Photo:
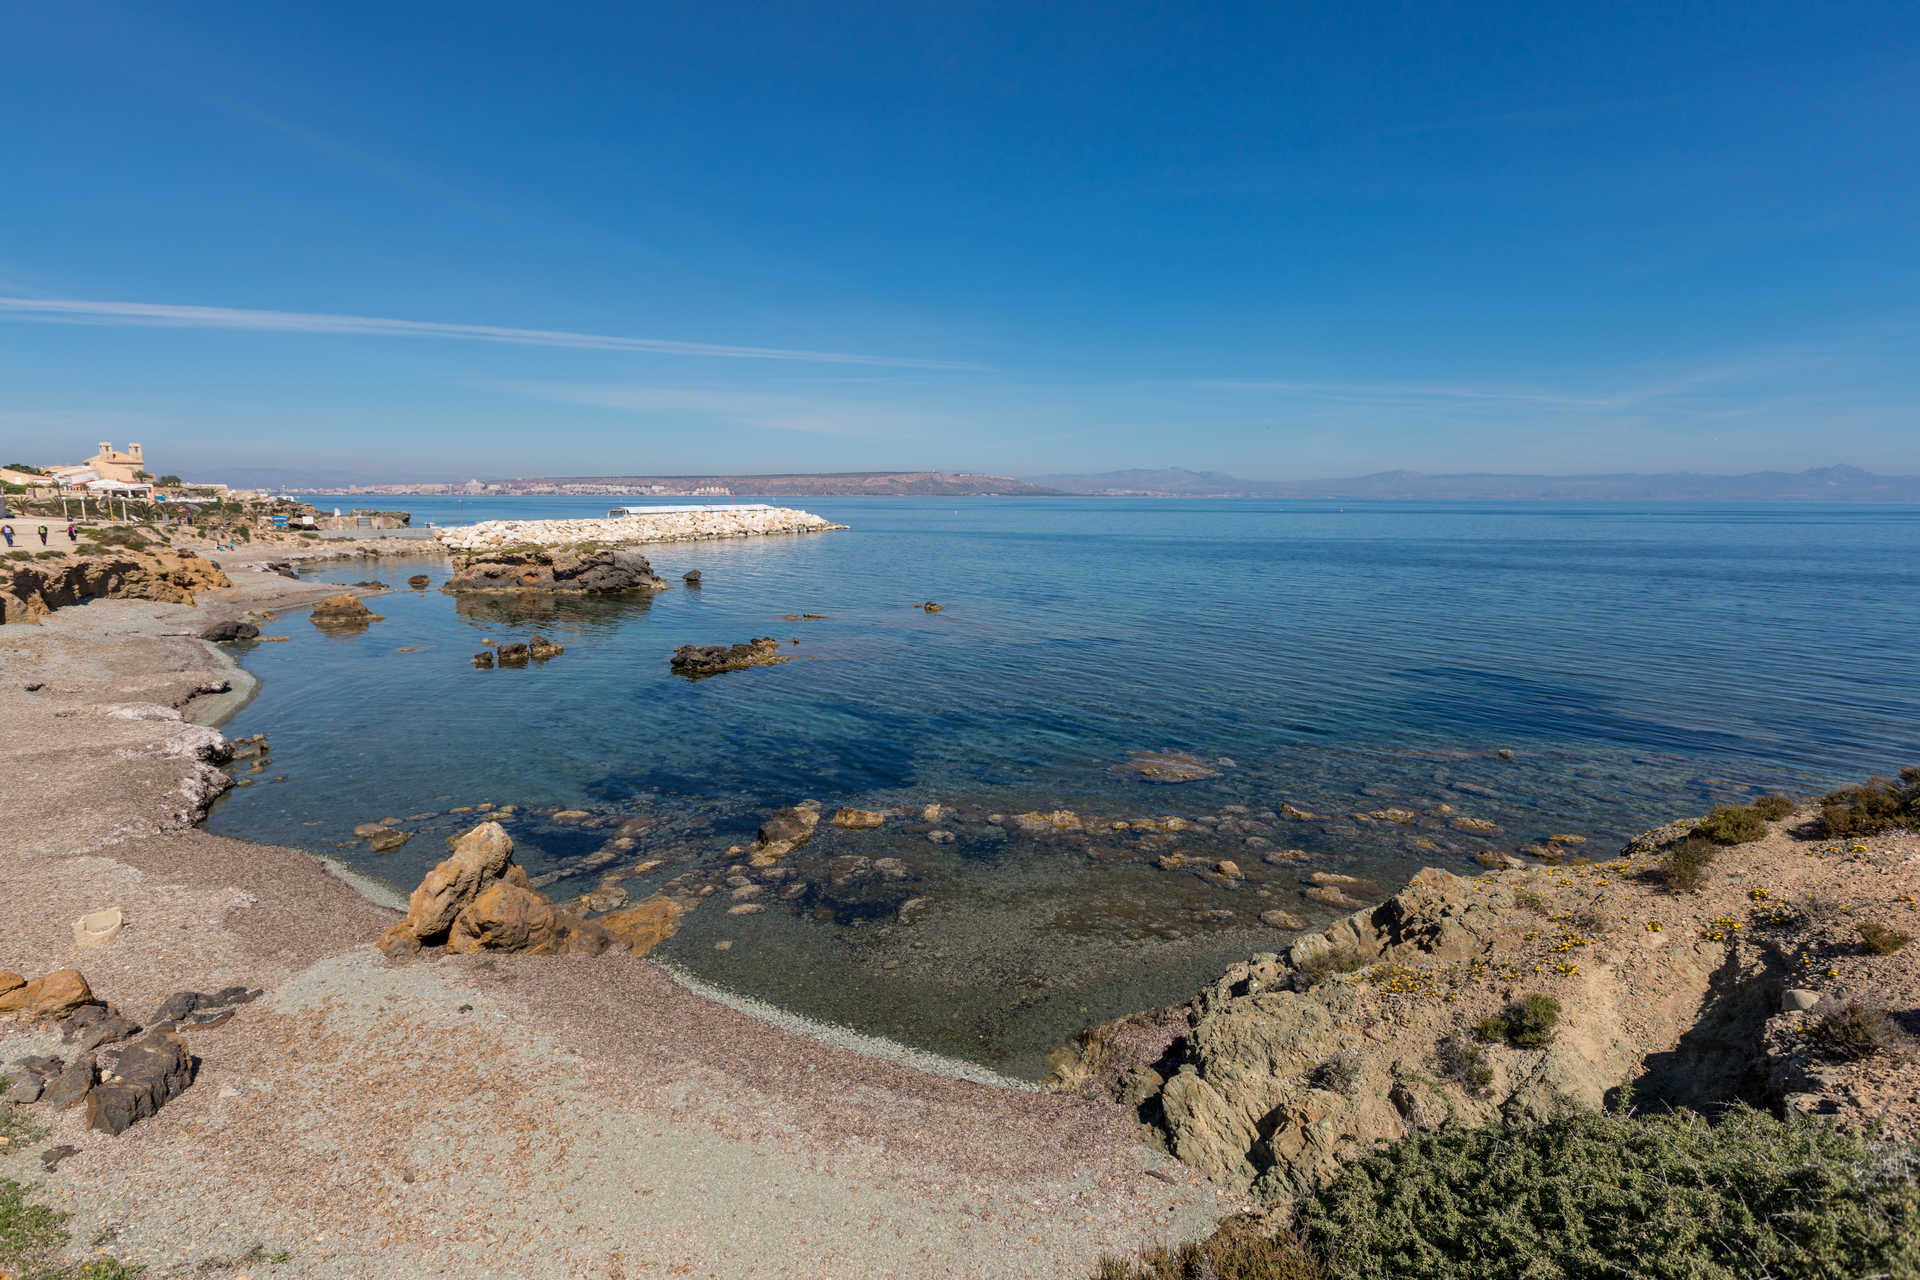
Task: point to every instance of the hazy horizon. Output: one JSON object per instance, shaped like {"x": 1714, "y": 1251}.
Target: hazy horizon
{"x": 1280, "y": 244}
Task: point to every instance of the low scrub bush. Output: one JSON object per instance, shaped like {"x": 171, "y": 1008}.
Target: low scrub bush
{"x": 1880, "y": 939}
{"x": 116, "y": 536}
{"x": 1341, "y": 1073}
{"x": 1527, "y": 1023}
{"x": 1235, "y": 1252}
{"x": 1732, "y": 824}
{"x": 1851, "y": 1030}
{"x": 1466, "y": 1063}
{"x": 1880, "y": 805}
{"x": 1585, "y": 1196}
{"x": 1773, "y": 808}
{"x": 1685, "y": 867}
{"x": 1322, "y": 965}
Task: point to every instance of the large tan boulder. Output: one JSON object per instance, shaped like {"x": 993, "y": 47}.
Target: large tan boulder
{"x": 642, "y": 928}
{"x": 57, "y": 994}
{"x": 505, "y": 917}
{"x": 480, "y": 857}
{"x": 479, "y": 899}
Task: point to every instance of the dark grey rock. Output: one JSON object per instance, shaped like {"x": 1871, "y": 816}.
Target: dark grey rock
{"x": 147, "y": 1075}
{"x": 50, "y": 1158}
{"x": 230, "y": 632}
{"x": 26, "y": 1090}
{"x": 70, "y": 1085}
{"x": 39, "y": 1065}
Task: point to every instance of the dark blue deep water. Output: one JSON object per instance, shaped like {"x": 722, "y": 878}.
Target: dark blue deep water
{"x": 1639, "y": 662}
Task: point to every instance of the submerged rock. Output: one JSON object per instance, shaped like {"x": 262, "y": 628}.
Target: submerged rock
{"x": 642, "y": 928}
{"x": 419, "y": 582}
{"x": 1165, "y": 766}
{"x": 781, "y": 834}
{"x": 696, "y": 661}
{"x": 858, "y": 819}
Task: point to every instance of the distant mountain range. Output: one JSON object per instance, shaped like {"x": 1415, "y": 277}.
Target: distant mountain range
{"x": 1823, "y": 484}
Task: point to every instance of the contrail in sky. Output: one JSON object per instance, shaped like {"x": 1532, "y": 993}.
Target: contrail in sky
{"x": 82, "y": 311}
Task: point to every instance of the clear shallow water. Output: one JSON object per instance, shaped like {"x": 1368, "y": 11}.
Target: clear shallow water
{"x": 1640, "y": 663}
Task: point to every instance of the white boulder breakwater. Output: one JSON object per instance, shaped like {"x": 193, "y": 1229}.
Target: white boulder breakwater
{"x": 679, "y": 525}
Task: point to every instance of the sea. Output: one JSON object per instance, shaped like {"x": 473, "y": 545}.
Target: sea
{"x": 1347, "y": 689}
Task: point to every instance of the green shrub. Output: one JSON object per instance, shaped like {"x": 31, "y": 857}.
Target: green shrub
{"x": 1732, "y": 824}
{"x": 1873, "y": 807}
{"x": 1234, "y": 1252}
{"x": 115, "y": 536}
{"x": 1880, "y": 939}
{"x": 1466, "y": 1063}
{"x": 1527, "y": 1023}
{"x": 1590, "y": 1196}
{"x": 1774, "y": 808}
{"x": 1685, "y": 867}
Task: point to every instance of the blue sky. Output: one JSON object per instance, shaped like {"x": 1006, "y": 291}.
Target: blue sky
{"x": 1277, "y": 240}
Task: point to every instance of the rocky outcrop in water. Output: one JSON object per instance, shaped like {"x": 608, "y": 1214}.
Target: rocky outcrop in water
{"x": 342, "y": 612}
{"x": 578, "y": 571}
{"x": 695, "y": 661}
{"x": 31, "y": 590}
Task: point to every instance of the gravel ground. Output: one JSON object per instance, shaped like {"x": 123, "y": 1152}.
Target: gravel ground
{"x": 480, "y": 1116}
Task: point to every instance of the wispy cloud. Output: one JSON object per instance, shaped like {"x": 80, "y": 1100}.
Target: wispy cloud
{"x": 169, "y": 315}
{"x": 770, "y": 410}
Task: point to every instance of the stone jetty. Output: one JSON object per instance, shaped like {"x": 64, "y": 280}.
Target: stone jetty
{"x": 679, "y": 525}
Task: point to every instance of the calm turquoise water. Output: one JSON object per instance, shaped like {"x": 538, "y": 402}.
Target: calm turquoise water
{"x": 1640, "y": 663}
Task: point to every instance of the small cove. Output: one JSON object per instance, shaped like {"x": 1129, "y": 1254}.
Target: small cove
{"x": 1638, "y": 662}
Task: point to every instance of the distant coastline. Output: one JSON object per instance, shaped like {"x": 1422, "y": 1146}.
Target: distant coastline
{"x": 1821, "y": 484}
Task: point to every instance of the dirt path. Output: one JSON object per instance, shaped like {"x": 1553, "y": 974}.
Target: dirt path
{"x": 482, "y": 1116}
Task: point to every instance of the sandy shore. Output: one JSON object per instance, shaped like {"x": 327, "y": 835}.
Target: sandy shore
{"x": 479, "y": 1116}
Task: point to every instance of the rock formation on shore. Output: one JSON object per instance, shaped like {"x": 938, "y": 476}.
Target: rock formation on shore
{"x": 30, "y": 590}
{"x": 479, "y": 899}
{"x": 695, "y": 661}
{"x": 1294, "y": 1063}
{"x": 581, "y": 571}
{"x": 121, "y": 1079}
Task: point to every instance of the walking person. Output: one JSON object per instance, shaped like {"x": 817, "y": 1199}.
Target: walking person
{"x": 43, "y": 535}
{"x": 6, "y": 531}
{"x": 73, "y": 534}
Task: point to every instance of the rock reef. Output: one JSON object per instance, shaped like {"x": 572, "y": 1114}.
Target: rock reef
{"x": 695, "y": 661}
{"x": 584, "y": 571}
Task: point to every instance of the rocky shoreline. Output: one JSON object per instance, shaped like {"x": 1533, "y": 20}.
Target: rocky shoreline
{"x": 1298, "y": 1061}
